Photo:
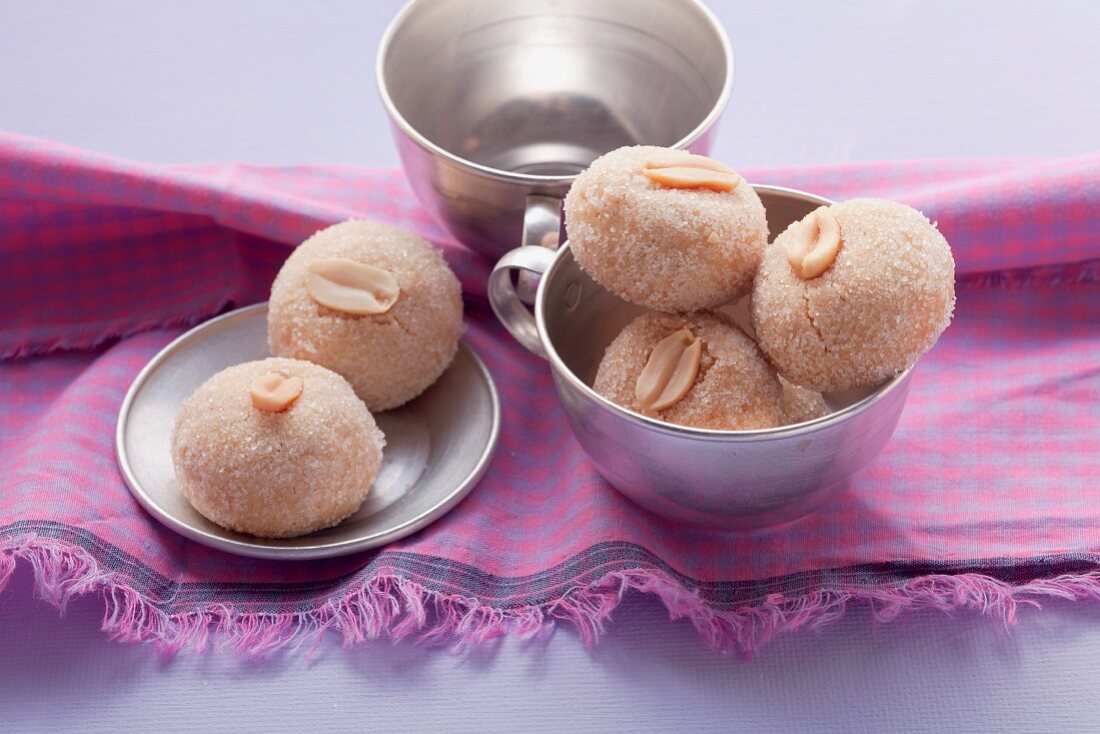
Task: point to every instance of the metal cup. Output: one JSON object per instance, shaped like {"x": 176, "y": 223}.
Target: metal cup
{"x": 726, "y": 479}
{"x": 497, "y": 104}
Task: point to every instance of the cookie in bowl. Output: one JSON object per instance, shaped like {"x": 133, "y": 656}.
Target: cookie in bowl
{"x": 800, "y": 404}
{"x": 853, "y": 294}
{"x": 693, "y": 370}
{"x": 666, "y": 229}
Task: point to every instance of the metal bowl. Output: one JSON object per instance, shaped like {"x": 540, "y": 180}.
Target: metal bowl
{"x": 437, "y": 447}
{"x": 726, "y": 479}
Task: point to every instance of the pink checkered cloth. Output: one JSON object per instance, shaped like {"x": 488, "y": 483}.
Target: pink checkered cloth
{"x": 987, "y": 497}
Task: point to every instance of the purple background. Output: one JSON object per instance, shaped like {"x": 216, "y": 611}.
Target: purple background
{"x": 279, "y": 83}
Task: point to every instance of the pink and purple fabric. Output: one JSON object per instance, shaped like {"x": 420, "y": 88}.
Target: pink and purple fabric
{"x": 987, "y": 497}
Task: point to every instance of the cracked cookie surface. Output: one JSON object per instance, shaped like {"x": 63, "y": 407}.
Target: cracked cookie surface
{"x": 884, "y": 301}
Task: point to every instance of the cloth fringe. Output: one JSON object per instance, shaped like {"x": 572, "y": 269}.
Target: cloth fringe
{"x": 389, "y": 605}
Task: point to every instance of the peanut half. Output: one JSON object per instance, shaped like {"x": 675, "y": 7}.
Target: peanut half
{"x": 670, "y": 372}
{"x": 814, "y": 243}
{"x": 683, "y": 170}
{"x": 274, "y": 393}
{"x": 350, "y": 286}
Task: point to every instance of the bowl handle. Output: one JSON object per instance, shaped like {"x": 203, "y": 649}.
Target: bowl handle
{"x": 510, "y": 300}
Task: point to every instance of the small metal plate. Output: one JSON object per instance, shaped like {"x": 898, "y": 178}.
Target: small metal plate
{"x": 437, "y": 446}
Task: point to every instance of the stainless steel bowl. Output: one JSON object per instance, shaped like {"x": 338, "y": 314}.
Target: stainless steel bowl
{"x": 728, "y": 479}
{"x": 497, "y": 105}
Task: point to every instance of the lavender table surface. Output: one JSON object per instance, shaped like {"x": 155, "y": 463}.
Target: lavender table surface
{"x": 281, "y": 83}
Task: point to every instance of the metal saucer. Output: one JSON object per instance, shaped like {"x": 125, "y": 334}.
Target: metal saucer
{"x": 437, "y": 446}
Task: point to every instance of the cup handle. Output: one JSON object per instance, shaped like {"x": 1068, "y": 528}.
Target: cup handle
{"x": 510, "y": 301}
{"x": 541, "y": 228}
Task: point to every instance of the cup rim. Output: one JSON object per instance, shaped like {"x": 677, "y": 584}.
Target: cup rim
{"x": 706, "y": 434}
{"x": 528, "y": 178}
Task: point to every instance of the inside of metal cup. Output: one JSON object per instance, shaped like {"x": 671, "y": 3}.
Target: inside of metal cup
{"x": 543, "y": 88}
{"x": 580, "y": 318}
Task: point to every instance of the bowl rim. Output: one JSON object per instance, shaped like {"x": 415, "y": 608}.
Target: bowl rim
{"x": 707, "y": 434}
{"x": 706, "y": 124}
